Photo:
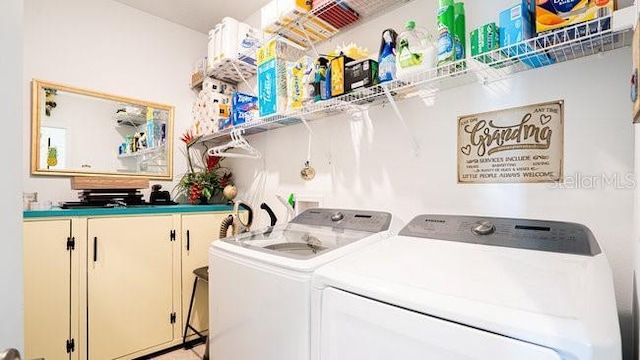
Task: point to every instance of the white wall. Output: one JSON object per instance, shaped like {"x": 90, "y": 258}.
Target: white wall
{"x": 11, "y": 303}
{"x": 373, "y": 166}
{"x": 109, "y": 47}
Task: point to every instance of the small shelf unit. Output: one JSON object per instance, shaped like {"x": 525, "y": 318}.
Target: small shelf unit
{"x": 142, "y": 152}
{"x": 567, "y": 44}
{"x": 236, "y": 71}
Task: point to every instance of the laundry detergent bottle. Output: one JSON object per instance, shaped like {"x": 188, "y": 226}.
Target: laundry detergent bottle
{"x": 387, "y": 56}
{"x": 415, "y": 51}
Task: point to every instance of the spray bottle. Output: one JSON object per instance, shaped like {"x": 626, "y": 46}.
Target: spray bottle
{"x": 387, "y": 56}
{"x": 446, "y": 52}
{"x": 459, "y": 32}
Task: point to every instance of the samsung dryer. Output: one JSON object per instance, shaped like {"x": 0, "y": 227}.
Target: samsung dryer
{"x": 459, "y": 287}
{"x": 260, "y": 282}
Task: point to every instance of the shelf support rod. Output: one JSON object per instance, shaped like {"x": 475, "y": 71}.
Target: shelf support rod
{"x": 313, "y": 47}
{"x": 394, "y": 106}
{"x": 327, "y": 154}
{"x": 253, "y": 91}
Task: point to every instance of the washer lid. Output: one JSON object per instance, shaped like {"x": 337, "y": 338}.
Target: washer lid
{"x": 314, "y": 232}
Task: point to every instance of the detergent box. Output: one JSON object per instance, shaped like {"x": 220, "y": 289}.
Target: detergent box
{"x": 515, "y": 28}
{"x": 556, "y": 14}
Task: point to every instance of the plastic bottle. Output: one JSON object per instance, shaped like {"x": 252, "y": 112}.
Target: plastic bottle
{"x": 415, "y": 51}
{"x": 387, "y": 56}
{"x": 150, "y": 130}
{"x": 459, "y": 31}
{"x": 446, "y": 17}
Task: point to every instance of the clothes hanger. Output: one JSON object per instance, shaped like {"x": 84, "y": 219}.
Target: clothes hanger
{"x": 238, "y": 142}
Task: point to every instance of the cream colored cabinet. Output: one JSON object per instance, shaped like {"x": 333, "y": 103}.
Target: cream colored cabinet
{"x": 198, "y": 231}
{"x": 130, "y": 290}
{"x": 113, "y": 287}
{"x": 50, "y": 289}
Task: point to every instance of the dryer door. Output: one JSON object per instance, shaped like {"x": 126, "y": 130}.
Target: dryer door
{"x": 355, "y": 327}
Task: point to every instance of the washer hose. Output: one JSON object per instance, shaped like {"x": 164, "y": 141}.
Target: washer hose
{"x": 226, "y": 223}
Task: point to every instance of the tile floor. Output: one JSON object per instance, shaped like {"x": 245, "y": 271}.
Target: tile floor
{"x": 194, "y": 353}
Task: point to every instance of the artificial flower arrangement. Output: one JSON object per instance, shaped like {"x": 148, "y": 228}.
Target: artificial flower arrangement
{"x": 205, "y": 179}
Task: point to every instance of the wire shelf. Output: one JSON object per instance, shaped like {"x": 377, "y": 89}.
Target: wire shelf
{"x": 578, "y": 41}
{"x": 362, "y": 11}
{"x": 567, "y": 44}
{"x": 232, "y": 71}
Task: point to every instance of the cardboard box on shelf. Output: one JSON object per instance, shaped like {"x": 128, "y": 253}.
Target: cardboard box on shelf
{"x": 483, "y": 40}
{"x": 337, "y": 67}
{"x": 244, "y": 108}
{"x": 553, "y": 15}
{"x": 272, "y": 61}
{"x": 299, "y": 78}
{"x": 515, "y": 28}
{"x": 359, "y": 74}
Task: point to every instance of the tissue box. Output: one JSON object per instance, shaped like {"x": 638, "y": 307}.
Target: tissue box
{"x": 485, "y": 39}
{"x": 272, "y": 87}
{"x": 243, "y": 108}
{"x": 272, "y": 61}
{"x": 516, "y": 27}
{"x": 359, "y": 74}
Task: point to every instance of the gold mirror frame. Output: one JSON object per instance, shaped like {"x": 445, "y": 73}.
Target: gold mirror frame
{"x": 37, "y": 94}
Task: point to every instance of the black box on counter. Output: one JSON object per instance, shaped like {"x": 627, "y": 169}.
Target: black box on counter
{"x": 360, "y": 74}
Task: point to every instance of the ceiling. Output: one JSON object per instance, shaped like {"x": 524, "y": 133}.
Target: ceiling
{"x": 202, "y": 15}
{"x": 199, "y": 15}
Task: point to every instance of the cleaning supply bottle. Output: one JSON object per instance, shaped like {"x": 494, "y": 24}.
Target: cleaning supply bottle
{"x": 150, "y": 129}
{"x": 446, "y": 17}
{"x": 387, "y": 56}
{"x": 415, "y": 51}
{"x": 460, "y": 30}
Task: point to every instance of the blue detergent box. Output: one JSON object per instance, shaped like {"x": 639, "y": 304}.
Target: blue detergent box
{"x": 244, "y": 108}
{"x": 515, "y": 27}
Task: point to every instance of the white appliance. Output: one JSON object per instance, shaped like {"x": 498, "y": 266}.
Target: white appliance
{"x": 458, "y": 287}
{"x": 260, "y": 282}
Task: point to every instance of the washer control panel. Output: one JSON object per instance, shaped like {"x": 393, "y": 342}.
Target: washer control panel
{"x": 552, "y": 236}
{"x": 359, "y": 220}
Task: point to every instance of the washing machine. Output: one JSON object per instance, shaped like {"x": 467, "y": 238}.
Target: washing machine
{"x": 260, "y": 281}
{"x": 460, "y": 287}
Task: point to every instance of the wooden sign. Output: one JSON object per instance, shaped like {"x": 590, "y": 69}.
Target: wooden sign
{"x": 518, "y": 145}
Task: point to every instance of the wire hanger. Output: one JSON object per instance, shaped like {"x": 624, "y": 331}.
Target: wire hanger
{"x": 238, "y": 142}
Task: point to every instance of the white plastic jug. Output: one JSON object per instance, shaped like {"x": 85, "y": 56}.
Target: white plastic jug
{"x": 415, "y": 51}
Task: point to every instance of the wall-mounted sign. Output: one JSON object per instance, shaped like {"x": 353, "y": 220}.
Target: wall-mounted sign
{"x": 518, "y": 145}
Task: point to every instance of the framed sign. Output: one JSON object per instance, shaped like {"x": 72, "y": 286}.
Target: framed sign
{"x": 517, "y": 145}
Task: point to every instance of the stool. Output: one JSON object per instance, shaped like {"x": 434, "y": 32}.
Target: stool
{"x": 201, "y": 274}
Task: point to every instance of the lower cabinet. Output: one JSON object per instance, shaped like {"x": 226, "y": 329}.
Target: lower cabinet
{"x": 129, "y": 285}
{"x": 113, "y": 287}
{"x": 50, "y": 290}
{"x": 198, "y": 231}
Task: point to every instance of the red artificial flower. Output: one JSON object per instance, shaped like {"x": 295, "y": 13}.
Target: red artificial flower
{"x": 188, "y": 137}
{"x": 212, "y": 161}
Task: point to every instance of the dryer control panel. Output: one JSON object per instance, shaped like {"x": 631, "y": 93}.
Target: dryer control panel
{"x": 359, "y": 220}
{"x": 542, "y": 235}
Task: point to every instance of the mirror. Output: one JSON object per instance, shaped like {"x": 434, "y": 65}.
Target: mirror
{"x": 76, "y": 132}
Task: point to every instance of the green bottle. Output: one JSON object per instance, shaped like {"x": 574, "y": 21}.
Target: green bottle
{"x": 446, "y": 46}
{"x": 459, "y": 31}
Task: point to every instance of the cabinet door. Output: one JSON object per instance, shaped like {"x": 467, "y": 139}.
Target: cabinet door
{"x": 198, "y": 231}
{"x": 47, "y": 289}
{"x": 129, "y": 285}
